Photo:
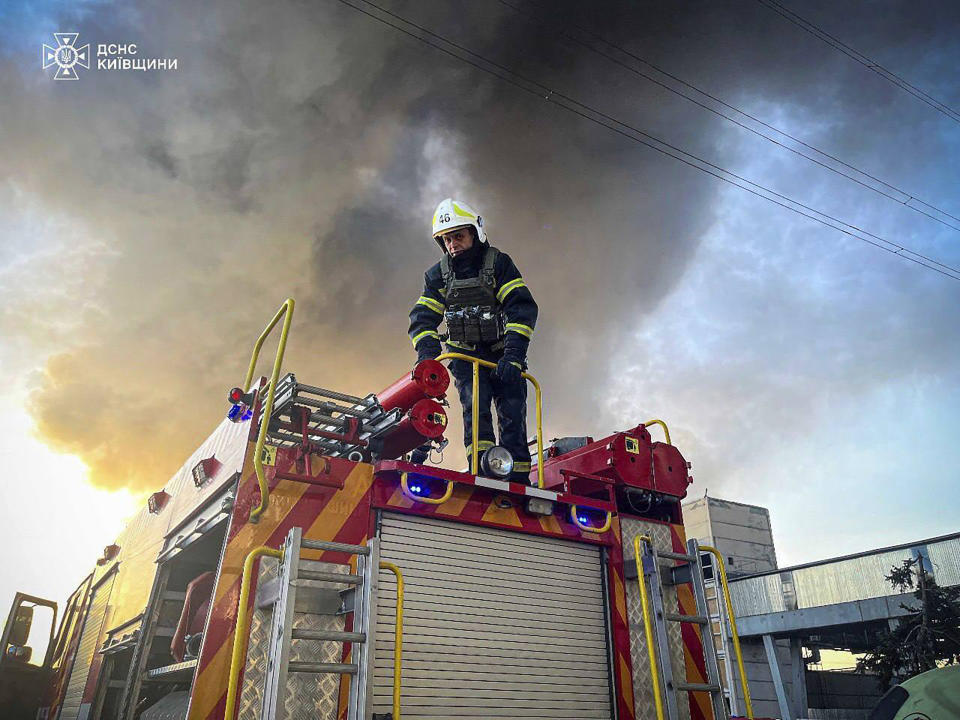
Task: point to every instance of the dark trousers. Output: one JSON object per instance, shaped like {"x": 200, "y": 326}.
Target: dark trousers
{"x": 510, "y": 401}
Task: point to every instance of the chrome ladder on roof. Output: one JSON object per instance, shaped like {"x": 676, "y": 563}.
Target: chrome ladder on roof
{"x": 692, "y": 572}
{"x": 360, "y": 598}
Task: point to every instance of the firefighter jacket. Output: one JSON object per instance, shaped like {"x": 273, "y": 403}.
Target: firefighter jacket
{"x": 514, "y": 300}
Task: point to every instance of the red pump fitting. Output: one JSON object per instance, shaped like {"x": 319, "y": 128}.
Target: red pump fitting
{"x": 426, "y": 420}
{"x": 429, "y": 379}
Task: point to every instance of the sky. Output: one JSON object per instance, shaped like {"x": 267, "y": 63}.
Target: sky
{"x": 151, "y": 222}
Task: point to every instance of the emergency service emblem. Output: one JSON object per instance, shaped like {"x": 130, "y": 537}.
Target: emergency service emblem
{"x": 66, "y": 56}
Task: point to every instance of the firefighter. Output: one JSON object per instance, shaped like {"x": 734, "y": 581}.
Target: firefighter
{"x": 490, "y": 314}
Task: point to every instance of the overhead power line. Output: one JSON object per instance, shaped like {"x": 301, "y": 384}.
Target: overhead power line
{"x": 850, "y": 52}
{"x": 901, "y": 197}
{"x": 587, "y": 112}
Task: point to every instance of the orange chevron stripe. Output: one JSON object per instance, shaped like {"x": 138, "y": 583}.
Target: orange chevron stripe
{"x": 626, "y": 681}
{"x": 282, "y": 499}
{"x": 209, "y": 684}
{"x": 457, "y": 502}
{"x": 331, "y": 519}
{"x": 502, "y": 516}
{"x": 619, "y": 596}
{"x": 550, "y": 524}
{"x": 398, "y": 499}
{"x": 687, "y": 606}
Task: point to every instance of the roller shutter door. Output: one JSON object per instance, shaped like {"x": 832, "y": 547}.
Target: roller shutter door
{"x": 497, "y": 624}
{"x": 71, "y": 708}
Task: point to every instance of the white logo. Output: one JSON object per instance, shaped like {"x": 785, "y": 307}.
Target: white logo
{"x": 66, "y": 56}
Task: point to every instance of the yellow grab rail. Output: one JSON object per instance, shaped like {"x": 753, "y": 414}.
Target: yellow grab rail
{"x": 587, "y": 528}
{"x": 405, "y": 487}
{"x": 733, "y": 627}
{"x": 662, "y": 424}
{"x": 477, "y": 362}
{"x": 647, "y": 624}
{"x": 397, "y": 637}
{"x": 242, "y": 630}
{"x": 285, "y": 312}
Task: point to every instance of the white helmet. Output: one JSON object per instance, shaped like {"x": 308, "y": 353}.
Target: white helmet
{"x": 452, "y": 214}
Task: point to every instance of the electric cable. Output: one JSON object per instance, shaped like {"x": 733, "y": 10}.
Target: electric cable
{"x": 850, "y": 52}
{"x": 905, "y": 198}
{"x": 574, "y": 106}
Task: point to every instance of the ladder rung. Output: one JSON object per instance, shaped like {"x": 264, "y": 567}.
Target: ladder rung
{"x": 695, "y": 619}
{"x": 676, "y": 556}
{"x": 320, "y": 668}
{"x": 306, "y": 574}
{"x": 334, "y": 547}
{"x": 328, "y": 635}
{"x": 692, "y": 687}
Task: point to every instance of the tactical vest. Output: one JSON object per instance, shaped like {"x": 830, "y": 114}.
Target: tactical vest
{"x": 473, "y": 313}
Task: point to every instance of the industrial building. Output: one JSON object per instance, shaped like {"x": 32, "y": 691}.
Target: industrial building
{"x": 787, "y": 616}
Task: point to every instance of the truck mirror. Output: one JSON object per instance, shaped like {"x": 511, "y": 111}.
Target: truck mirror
{"x": 20, "y": 629}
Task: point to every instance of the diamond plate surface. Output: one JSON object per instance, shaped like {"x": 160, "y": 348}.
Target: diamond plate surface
{"x": 308, "y": 696}
{"x": 642, "y": 675}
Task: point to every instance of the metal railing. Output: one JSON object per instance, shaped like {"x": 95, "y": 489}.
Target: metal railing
{"x": 397, "y": 637}
{"x": 648, "y": 623}
{"x": 285, "y": 312}
{"x": 661, "y": 423}
{"x": 733, "y": 626}
{"x": 243, "y": 623}
{"x": 474, "y": 451}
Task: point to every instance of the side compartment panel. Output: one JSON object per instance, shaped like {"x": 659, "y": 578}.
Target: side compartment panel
{"x": 89, "y": 637}
{"x": 496, "y": 624}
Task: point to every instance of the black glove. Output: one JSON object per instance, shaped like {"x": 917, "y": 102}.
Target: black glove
{"x": 508, "y": 370}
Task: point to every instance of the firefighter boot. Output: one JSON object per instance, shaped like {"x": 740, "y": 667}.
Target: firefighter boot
{"x": 510, "y": 400}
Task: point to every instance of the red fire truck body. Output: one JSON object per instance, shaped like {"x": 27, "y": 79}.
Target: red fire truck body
{"x": 519, "y": 600}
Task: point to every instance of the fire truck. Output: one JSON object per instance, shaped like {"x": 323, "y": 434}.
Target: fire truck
{"x": 300, "y": 565}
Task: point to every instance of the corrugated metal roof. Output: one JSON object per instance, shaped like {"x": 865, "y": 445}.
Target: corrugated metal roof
{"x": 844, "y": 579}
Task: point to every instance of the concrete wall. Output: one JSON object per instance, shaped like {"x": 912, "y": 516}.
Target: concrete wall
{"x": 834, "y": 694}
{"x": 741, "y": 532}
{"x": 759, "y": 678}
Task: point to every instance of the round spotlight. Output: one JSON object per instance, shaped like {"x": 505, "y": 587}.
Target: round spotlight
{"x": 497, "y": 461}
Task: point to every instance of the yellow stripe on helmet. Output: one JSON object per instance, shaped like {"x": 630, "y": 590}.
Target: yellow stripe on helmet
{"x": 463, "y": 213}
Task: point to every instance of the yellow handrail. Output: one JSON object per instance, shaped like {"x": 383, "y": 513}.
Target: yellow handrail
{"x": 285, "y": 312}
{"x": 733, "y": 627}
{"x": 397, "y": 638}
{"x": 647, "y": 626}
{"x": 477, "y": 362}
{"x": 242, "y": 629}
{"x": 662, "y": 424}
{"x": 404, "y": 486}
{"x": 587, "y": 528}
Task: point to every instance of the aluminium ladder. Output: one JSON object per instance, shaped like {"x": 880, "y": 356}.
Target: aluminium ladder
{"x": 692, "y": 573}
{"x": 363, "y": 585}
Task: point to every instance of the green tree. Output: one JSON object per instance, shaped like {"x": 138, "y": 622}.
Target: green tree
{"x": 928, "y": 636}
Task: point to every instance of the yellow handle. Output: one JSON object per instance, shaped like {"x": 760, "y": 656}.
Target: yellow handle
{"x": 662, "y": 424}
{"x": 477, "y": 362}
{"x": 733, "y": 627}
{"x": 242, "y": 630}
{"x": 647, "y": 625}
{"x": 417, "y": 498}
{"x": 587, "y": 528}
{"x": 397, "y": 638}
{"x": 285, "y": 312}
